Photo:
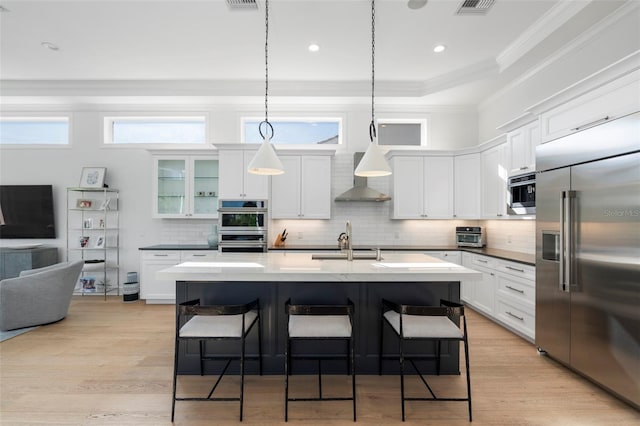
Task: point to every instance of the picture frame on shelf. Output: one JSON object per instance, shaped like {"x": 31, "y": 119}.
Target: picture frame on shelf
{"x": 100, "y": 242}
{"x": 84, "y": 203}
{"x": 84, "y": 241}
{"x": 92, "y": 177}
{"x": 88, "y": 284}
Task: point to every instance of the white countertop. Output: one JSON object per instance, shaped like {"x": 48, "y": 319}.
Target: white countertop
{"x": 299, "y": 267}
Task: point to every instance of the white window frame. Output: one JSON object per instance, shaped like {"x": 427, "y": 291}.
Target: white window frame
{"x": 424, "y": 131}
{"x": 39, "y": 116}
{"x": 110, "y": 118}
{"x": 314, "y": 118}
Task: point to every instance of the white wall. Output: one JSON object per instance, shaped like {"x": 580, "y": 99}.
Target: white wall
{"x": 129, "y": 169}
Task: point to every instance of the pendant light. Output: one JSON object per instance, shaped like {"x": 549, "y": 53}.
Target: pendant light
{"x": 266, "y": 162}
{"x": 373, "y": 162}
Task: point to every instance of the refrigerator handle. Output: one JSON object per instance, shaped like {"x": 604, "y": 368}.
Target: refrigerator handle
{"x": 563, "y": 213}
{"x": 566, "y": 238}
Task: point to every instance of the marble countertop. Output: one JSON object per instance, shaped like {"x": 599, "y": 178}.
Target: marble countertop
{"x": 300, "y": 267}
{"x": 514, "y": 256}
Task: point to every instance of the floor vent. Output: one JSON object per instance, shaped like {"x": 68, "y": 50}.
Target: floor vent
{"x": 475, "y": 7}
{"x": 242, "y": 4}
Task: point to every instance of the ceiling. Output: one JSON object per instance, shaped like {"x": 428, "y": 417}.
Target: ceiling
{"x": 203, "y": 47}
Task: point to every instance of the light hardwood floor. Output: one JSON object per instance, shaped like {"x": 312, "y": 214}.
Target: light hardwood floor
{"x": 110, "y": 363}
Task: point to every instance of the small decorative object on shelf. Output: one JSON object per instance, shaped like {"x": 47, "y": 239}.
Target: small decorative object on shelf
{"x": 93, "y": 236}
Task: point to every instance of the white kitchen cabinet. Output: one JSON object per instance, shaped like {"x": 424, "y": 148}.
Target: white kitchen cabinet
{"x": 467, "y": 186}
{"x": 304, "y": 190}
{"x": 236, "y": 183}
{"x": 185, "y": 187}
{"x": 154, "y": 290}
{"x": 494, "y": 169}
{"x": 522, "y": 147}
{"x": 506, "y": 292}
{"x": 606, "y": 102}
{"x": 422, "y": 187}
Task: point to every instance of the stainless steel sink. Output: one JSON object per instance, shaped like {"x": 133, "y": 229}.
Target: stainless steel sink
{"x": 368, "y": 254}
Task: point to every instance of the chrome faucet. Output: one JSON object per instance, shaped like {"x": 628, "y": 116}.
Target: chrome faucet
{"x": 349, "y": 242}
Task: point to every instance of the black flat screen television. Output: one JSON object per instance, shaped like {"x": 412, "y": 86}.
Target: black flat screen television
{"x": 26, "y": 211}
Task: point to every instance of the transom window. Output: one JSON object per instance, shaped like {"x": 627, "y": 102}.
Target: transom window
{"x": 295, "y": 131}
{"x": 404, "y": 132}
{"x": 155, "y": 130}
{"x": 34, "y": 130}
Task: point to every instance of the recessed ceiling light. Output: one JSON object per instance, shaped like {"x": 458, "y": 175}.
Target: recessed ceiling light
{"x": 314, "y": 47}
{"x": 49, "y": 45}
{"x": 440, "y": 48}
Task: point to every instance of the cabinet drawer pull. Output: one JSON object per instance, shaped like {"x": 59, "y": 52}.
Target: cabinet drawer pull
{"x": 515, "y": 289}
{"x": 514, "y": 316}
{"x": 199, "y": 255}
{"x": 160, "y": 255}
{"x": 515, "y": 269}
{"x": 483, "y": 261}
{"x": 575, "y": 129}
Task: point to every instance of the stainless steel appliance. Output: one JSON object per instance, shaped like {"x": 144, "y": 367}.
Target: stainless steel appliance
{"x": 522, "y": 193}
{"x": 469, "y": 236}
{"x": 588, "y": 254}
{"x": 242, "y": 226}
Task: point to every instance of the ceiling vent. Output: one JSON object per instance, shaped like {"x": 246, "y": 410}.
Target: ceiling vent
{"x": 475, "y": 7}
{"x": 242, "y": 4}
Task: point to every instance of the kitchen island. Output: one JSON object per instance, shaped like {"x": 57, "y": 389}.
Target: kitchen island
{"x": 231, "y": 278}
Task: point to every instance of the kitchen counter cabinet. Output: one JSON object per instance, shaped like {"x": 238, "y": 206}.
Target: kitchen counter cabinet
{"x": 275, "y": 277}
{"x": 505, "y": 293}
{"x": 155, "y": 290}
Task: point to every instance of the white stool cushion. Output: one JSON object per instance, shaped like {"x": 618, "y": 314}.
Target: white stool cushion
{"x": 422, "y": 326}
{"x": 217, "y": 325}
{"x": 319, "y": 326}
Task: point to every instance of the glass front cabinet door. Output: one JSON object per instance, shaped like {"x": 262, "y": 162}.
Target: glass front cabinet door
{"x": 185, "y": 187}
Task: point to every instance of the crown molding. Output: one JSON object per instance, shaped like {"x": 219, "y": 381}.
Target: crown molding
{"x": 626, "y": 66}
{"x": 568, "y": 48}
{"x": 519, "y": 121}
{"x": 555, "y": 17}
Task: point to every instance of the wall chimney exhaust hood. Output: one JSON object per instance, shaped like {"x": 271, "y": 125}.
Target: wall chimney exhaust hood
{"x": 360, "y": 190}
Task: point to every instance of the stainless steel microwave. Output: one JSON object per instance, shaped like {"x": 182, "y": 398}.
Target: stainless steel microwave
{"x": 522, "y": 193}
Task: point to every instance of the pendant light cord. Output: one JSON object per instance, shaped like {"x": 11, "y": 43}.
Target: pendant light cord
{"x": 266, "y": 74}
{"x": 372, "y": 126}
{"x": 266, "y": 60}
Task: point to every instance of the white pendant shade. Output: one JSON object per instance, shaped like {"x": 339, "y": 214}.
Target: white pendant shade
{"x": 373, "y": 163}
{"x": 266, "y": 162}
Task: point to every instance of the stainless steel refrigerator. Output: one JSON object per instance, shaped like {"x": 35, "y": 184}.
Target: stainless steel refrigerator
{"x": 588, "y": 254}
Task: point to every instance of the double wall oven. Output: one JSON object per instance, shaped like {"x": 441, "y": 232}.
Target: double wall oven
{"x": 242, "y": 226}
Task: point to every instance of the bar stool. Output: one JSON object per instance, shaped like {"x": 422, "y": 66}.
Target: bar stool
{"x": 216, "y": 323}
{"x": 320, "y": 323}
{"x": 425, "y": 323}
